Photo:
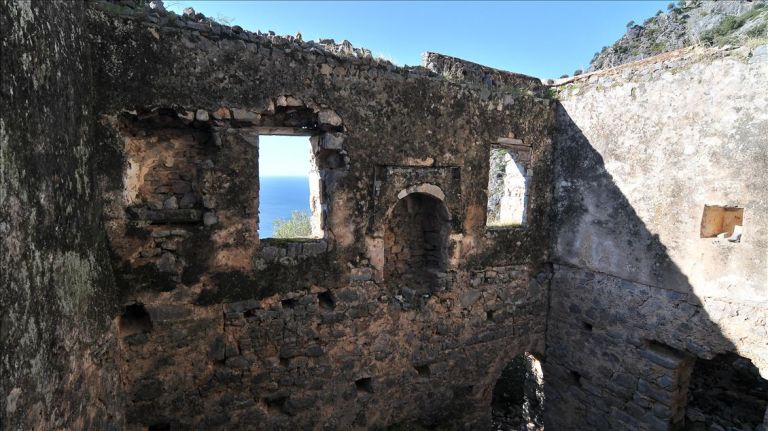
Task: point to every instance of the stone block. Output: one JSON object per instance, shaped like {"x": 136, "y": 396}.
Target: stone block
{"x": 329, "y": 117}
{"x": 245, "y": 116}
{"x": 332, "y": 141}
{"x": 468, "y": 298}
{"x": 217, "y": 349}
{"x": 651, "y": 391}
{"x": 314, "y": 248}
{"x": 663, "y": 356}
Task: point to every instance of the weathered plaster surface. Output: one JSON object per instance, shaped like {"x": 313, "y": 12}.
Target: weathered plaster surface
{"x": 639, "y": 151}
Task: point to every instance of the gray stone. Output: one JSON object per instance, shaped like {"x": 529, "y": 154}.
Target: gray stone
{"x": 157, "y": 5}
{"x": 238, "y": 362}
{"x": 216, "y": 349}
{"x": 188, "y": 200}
{"x": 210, "y": 219}
{"x": 154, "y": 204}
{"x": 332, "y": 141}
{"x": 663, "y": 356}
{"x": 329, "y": 117}
{"x": 202, "y": 115}
{"x": 468, "y": 298}
{"x": 245, "y": 116}
{"x": 167, "y": 263}
{"x": 209, "y": 202}
{"x": 171, "y": 203}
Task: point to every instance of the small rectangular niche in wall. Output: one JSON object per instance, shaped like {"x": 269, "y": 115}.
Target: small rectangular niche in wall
{"x": 722, "y": 222}
{"x": 289, "y": 188}
{"x": 508, "y": 184}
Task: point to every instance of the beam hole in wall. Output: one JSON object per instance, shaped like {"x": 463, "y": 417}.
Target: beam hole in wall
{"x": 518, "y": 396}
{"x": 364, "y": 385}
{"x": 587, "y": 326}
{"x": 575, "y": 377}
{"x": 289, "y": 303}
{"x": 134, "y": 320}
{"x": 423, "y": 370}
{"x": 726, "y": 392}
{"x": 163, "y": 426}
{"x": 508, "y": 185}
{"x": 276, "y": 402}
{"x": 289, "y": 188}
{"x": 722, "y": 222}
{"x": 326, "y": 300}
{"x": 416, "y": 246}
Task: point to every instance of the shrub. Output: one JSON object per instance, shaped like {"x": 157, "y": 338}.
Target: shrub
{"x": 758, "y": 30}
{"x": 670, "y": 6}
{"x": 658, "y": 47}
{"x": 577, "y": 72}
{"x": 630, "y": 23}
{"x": 298, "y": 226}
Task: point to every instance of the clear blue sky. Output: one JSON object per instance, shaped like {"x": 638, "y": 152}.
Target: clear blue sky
{"x": 544, "y": 39}
{"x": 283, "y": 156}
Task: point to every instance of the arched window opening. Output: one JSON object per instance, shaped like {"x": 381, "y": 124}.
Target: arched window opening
{"x": 518, "y": 396}
{"x": 416, "y": 245}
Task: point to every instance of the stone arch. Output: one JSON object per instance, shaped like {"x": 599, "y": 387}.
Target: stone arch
{"x": 415, "y": 238}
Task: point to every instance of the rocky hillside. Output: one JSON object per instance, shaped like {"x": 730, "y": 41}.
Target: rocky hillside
{"x": 687, "y": 23}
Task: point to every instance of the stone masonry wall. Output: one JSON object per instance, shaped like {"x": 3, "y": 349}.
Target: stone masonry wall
{"x": 222, "y": 329}
{"x": 637, "y": 295}
{"x": 57, "y": 347}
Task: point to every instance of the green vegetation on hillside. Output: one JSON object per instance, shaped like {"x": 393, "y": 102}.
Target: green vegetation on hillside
{"x": 722, "y": 34}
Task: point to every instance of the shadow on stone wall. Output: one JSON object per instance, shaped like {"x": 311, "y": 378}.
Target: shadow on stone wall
{"x": 625, "y": 327}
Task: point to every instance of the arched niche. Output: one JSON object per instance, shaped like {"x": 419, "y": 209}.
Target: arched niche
{"x": 416, "y": 241}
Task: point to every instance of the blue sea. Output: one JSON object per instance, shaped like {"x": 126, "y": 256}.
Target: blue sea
{"x": 278, "y": 197}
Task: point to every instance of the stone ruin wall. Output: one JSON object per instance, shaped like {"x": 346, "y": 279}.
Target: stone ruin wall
{"x": 224, "y": 330}
{"x": 209, "y": 327}
{"x": 638, "y": 297}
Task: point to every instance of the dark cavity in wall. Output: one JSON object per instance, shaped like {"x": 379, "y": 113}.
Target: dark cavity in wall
{"x": 134, "y": 320}
{"x": 423, "y": 370}
{"x": 326, "y": 300}
{"x": 364, "y": 385}
{"x": 726, "y": 392}
{"x": 518, "y": 396}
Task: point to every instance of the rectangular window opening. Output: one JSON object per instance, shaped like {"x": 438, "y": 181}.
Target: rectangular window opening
{"x": 508, "y": 184}
{"x": 724, "y": 222}
{"x": 289, "y": 188}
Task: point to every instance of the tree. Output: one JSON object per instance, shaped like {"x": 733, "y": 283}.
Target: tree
{"x": 298, "y": 226}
